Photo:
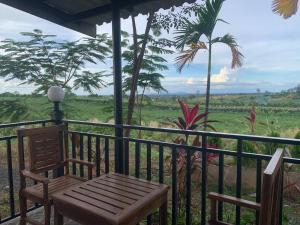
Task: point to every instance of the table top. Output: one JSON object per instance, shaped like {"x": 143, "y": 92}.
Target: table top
{"x": 112, "y": 199}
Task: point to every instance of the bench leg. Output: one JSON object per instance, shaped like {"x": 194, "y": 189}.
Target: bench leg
{"x": 163, "y": 214}
{"x": 58, "y": 218}
{"x": 213, "y": 210}
{"x": 23, "y": 210}
{"x": 47, "y": 208}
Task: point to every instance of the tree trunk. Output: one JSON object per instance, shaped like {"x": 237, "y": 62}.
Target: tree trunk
{"x": 207, "y": 98}
{"x": 136, "y": 68}
{"x": 140, "y": 111}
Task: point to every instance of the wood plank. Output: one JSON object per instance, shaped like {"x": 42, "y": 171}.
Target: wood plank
{"x": 234, "y": 200}
{"x": 136, "y": 179}
{"x": 111, "y": 200}
{"x": 115, "y": 196}
{"x": 116, "y": 191}
{"x": 93, "y": 202}
{"x": 68, "y": 201}
{"x": 134, "y": 182}
{"x": 101, "y": 197}
{"x": 122, "y": 187}
{"x": 126, "y": 184}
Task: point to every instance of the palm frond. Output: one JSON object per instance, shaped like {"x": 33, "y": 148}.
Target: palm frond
{"x": 285, "y": 8}
{"x": 188, "y": 55}
{"x": 237, "y": 56}
{"x": 204, "y": 24}
{"x": 190, "y": 32}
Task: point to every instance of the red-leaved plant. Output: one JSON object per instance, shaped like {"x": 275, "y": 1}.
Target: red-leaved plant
{"x": 252, "y": 119}
{"x": 191, "y": 120}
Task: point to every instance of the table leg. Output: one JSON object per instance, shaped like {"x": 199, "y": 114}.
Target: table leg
{"x": 163, "y": 213}
{"x": 58, "y": 218}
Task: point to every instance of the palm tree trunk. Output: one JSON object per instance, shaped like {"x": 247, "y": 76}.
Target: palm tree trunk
{"x": 207, "y": 97}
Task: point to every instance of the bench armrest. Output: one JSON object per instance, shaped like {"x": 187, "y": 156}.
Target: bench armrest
{"x": 85, "y": 163}
{"x": 35, "y": 177}
{"x": 38, "y": 178}
{"x": 233, "y": 200}
{"x": 90, "y": 166}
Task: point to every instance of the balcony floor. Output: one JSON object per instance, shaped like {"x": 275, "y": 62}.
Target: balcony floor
{"x": 38, "y": 215}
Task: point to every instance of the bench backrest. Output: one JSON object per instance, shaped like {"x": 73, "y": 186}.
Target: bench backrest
{"x": 272, "y": 190}
{"x": 46, "y": 147}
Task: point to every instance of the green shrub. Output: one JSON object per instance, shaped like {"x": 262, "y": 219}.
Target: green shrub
{"x": 215, "y": 141}
{"x": 248, "y": 218}
{"x": 296, "y": 149}
{"x": 248, "y": 147}
{"x": 270, "y": 148}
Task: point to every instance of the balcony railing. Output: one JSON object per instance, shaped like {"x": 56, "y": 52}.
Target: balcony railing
{"x": 155, "y": 157}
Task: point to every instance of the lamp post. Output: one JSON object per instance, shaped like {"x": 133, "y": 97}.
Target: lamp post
{"x": 56, "y": 95}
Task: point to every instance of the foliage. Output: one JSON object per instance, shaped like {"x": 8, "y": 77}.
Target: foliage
{"x": 285, "y": 8}
{"x": 270, "y": 148}
{"x": 191, "y": 120}
{"x": 252, "y": 119}
{"x": 248, "y": 218}
{"x": 190, "y": 33}
{"x": 214, "y": 142}
{"x": 40, "y": 59}
{"x": 296, "y": 148}
{"x": 13, "y": 110}
{"x": 149, "y": 76}
{"x": 249, "y": 147}
{"x": 173, "y": 19}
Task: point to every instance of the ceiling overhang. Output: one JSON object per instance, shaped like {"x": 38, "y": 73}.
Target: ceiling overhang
{"x": 84, "y": 15}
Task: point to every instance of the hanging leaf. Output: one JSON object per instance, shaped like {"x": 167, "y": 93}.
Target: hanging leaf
{"x": 285, "y": 8}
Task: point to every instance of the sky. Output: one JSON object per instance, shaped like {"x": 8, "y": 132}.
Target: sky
{"x": 270, "y": 44}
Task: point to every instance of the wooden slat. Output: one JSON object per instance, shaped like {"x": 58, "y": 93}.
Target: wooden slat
{"x": 116, "y": 191}
{"x": 114, "y": 196}
{"x": 121, "y": 187}
{"x": 130, "y": 185}
{"x": 135, "y": 179}
{"x": 93, "y": 202}
{"x": 54, "y": 186}
{"x": 100, "y": 197}
{"x": 134, "y": 182}
{"x": 85, "y": 205}
{"x": 112, "y": 200}
{"x": 234, "y": 200}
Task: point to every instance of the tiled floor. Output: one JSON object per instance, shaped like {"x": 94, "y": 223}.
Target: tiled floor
{"x": 38, "y": 214}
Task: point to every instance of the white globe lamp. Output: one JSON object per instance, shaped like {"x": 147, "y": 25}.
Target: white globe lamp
{"x": 56, "y": 95}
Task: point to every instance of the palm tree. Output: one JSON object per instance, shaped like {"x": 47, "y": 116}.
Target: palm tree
{"x": 285, "y": 8}
{"x": 190, "y": 35}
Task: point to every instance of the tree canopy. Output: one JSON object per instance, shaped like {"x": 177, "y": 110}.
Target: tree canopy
{"x": 43, "y": 61}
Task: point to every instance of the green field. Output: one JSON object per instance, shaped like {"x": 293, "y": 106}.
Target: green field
{"x": 280, "y": 112}
{"x": 275, "y": 112}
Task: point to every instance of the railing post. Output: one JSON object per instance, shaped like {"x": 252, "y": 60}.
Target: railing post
{"x": 56, "y": 95}
{"x": 57, "y": 115}
{"x": 117, "y": 71}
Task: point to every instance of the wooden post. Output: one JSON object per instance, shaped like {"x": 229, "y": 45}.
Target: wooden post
{"x": 117, "y": 71}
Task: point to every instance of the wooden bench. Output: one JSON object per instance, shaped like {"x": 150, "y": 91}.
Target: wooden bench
{"x": 269, "y": 207}
{"x": 47, "y": 150}
{"x": 112, "y": 199}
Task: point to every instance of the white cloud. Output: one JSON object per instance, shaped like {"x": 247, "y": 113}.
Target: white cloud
{"x": 225, "y": 75}
{"x": 14, "y": 85}
{"x": 222, "y": 77}
{"x": 190, "y": 81}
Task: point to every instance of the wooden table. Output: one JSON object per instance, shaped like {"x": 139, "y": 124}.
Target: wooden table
{"x": 111, "y": 199}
